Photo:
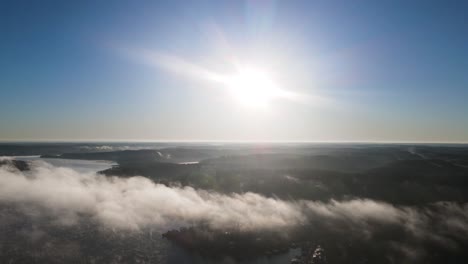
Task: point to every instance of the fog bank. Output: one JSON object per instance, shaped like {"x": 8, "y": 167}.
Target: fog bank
{"x": 137, "y": 202}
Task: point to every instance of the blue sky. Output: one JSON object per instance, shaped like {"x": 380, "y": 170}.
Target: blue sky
{"x": 382, "y": 70}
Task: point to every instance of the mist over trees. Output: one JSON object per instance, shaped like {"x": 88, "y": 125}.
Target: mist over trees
{"x": 386, "y": 204}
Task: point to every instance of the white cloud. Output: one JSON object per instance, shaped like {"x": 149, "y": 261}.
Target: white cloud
{"x": 137, "y": 202}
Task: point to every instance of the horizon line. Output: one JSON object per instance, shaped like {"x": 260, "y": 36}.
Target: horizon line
{"x": 231, "y": 141}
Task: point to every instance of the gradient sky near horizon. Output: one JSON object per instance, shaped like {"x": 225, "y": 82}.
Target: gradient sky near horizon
{"x": 143, "y": 70}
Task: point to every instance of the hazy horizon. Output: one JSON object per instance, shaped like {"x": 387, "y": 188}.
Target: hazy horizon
{"x": 119, "y": 141}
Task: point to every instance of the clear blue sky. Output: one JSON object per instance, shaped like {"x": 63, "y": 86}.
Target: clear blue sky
{"x": 131, "y": 70}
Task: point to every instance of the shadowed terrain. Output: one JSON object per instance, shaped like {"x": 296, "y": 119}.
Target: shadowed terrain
{"x": 347, "y": 203}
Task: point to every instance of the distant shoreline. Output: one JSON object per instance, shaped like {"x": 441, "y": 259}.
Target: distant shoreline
{"x": 191, "y": 143}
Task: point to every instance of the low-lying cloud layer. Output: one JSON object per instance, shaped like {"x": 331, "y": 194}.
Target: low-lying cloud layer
{"x": 137, "y": 202}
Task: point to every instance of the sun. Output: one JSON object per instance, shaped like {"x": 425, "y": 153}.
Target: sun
{"x": 253, "y": 87}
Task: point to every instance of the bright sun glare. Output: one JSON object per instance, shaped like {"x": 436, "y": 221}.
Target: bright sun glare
{"x": 253, "y": 87}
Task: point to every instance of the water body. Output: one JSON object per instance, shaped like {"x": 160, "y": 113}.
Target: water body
{"x": 170, "y": 253}
{"x": 83, "y": 166}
